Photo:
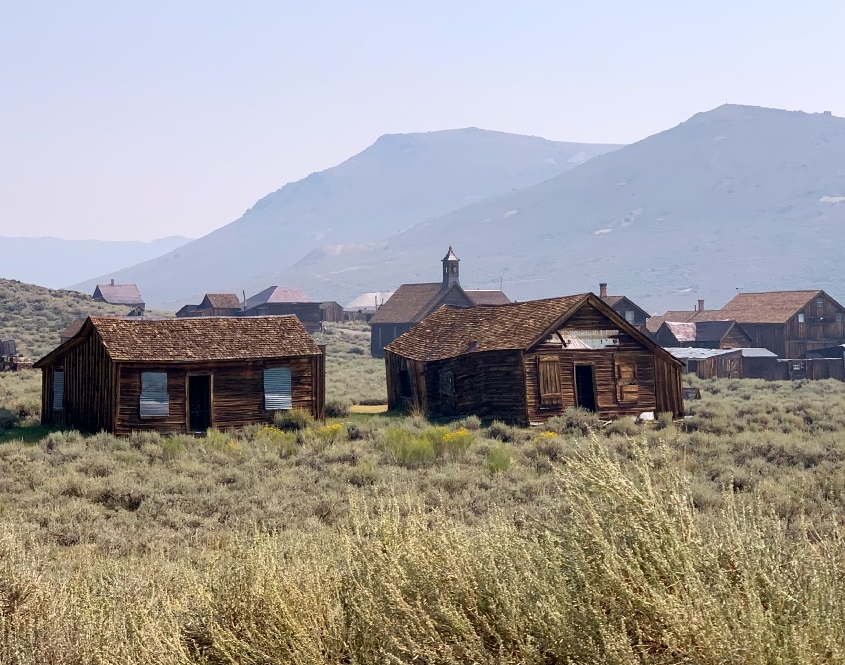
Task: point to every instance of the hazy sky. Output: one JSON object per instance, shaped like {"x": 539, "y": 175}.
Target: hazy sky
{"x": 138, "y": 120}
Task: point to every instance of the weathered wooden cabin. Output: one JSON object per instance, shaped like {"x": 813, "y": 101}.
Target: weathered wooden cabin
{"x": 278, "y": 301}
{"x": 703, "y": 335}
{"x": 118, "y": 294}
{"x": 215, "y": 304}
{"x": 526, "y": 362}
{"x": 626, "y": 308}
{"x": 181, "y": 375}
{"x": 411, "y": 303}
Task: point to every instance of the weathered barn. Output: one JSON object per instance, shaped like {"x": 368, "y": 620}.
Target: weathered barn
{"x": 181, "y": 375}
{"x": 8, "y": 346}
{"x": 118, "y": 294}
{"x": 526, "y": 362}
{"x": 703, "y": 335}
{"x": 626, "y": 308}
{"x": 411, "y": 303}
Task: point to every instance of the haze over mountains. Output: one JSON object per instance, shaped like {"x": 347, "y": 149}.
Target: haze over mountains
{"x": 54, "y": 262}
{"x": 396, "y": 182}
{"x": 734, "y": 198}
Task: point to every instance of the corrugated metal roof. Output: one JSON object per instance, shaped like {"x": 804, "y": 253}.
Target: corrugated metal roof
{"x": 694, "y": 353}
{"x": 197, "y": 339}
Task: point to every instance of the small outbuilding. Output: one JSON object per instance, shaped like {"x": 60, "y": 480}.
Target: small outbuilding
{"x": 526, "y": 362}
{"x": 181, "y": 375}
{"x": 703, "y": 335}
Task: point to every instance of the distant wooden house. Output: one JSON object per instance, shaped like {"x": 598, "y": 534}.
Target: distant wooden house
{"x": 181, "y": 375}
{"x": 411, "y": 303}
{"x": 626, "y": 308}
{"x": 276, "y": 301}
{"x": 219, "y": 304}
{"x": 72, "y": 329}
{"x": 186, "y": 310}
{"x": 526, "y": 362}
{"x": 364, "y": 307}
{"x": 703, "y": 335}
{"x": 118, "y": 294}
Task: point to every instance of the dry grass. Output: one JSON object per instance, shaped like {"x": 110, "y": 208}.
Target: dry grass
{"x": 386, "y": 539}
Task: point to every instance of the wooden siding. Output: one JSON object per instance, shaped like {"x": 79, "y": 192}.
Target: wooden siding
{"x": 89, "y": 381}
{"x": 382, "y": 334}
{"x": 237, "y": 392}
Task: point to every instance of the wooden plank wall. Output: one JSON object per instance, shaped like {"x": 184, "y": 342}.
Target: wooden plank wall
{"x": 488, "y": 385}
{"x": 88, "y": 398}
{"x": 237, "y": 392}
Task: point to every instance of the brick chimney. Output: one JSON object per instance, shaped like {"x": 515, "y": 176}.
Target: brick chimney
{"x": 701, "y": 305}
{"x": 603, "y": 290}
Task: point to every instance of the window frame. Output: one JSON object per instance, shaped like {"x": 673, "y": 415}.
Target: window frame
{"x": 549, "y": 388}
{"x": 59, "y": 405}
{"x": 285, "y": 402}
{"x": 152, "y": 398}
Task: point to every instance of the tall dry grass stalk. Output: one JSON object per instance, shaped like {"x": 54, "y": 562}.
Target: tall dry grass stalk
{"x": 625, "y": 571}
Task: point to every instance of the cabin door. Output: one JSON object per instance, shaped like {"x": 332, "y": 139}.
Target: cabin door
{"x": 585, "y": 388}
{"x": 199, "y": 402}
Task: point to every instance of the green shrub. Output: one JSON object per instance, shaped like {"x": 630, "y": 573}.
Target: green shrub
{"x": 501, "y": 431}
{"x": 284, "y": 442}
{"x": 472, "y": 423}
{"x": 498, "y": 459}
{"x": 293, "y": 420}
{"x": 337, "y": 409}
{"x": 7, "y": 419}
{"x": 574, "y": 422}
{"x": 455, "y": 444}
{"x": 626, "y": 426}
{"x": 664, "y": 420}
{"x": 409, "y": 449}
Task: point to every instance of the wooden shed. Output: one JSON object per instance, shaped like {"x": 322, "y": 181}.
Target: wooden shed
{"x": 181, "y": 375}
{"x": 526, "y": 362}
{"x": 745, "y": 363}
{"x": 118, "y": 294}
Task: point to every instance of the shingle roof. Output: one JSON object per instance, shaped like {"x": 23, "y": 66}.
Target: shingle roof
{"x": 221, "y": 301}
{"x": 406, "y": 303}
{"x": 274, "y": 294}
{"x": 74, "y": 327}
{"x": 488, "y": 297}
{"x": 198, "y": 339}
{"x": 683, "y": 332}
{"x": 712, "y": 331}
{"x": 119, "y": 294}
{"x": 448, "y": 332}
{"x": 771, "y": 307}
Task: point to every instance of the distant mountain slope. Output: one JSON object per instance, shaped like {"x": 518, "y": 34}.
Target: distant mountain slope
{"x": 735, "y": 198}
{"x": 35, "y": 315}
{"x": 54, "y": 262}
{"x": 398, "y": 181}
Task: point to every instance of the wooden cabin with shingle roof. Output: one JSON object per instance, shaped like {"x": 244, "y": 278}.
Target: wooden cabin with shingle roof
{"x": 411, "y": 303}
{"x": 527, "y": 362}
{"x": 181, "y": 375}
{"x": 118, "y": 294}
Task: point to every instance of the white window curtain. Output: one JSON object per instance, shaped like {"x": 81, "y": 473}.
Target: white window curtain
{"x": 277, "y": 389}
{"x": 155, "y": 402}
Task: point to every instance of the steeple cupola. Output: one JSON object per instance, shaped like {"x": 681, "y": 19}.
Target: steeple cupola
{"x": 450, "y": 269}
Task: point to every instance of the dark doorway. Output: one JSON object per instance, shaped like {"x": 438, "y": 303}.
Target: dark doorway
{"x": 585, "y": 387}
{"x": 199, "y": 403}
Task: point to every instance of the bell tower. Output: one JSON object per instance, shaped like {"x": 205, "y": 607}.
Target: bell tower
{"x": 450, "y": 269}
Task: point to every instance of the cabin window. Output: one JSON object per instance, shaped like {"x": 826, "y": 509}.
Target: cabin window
{"x": 278, "y": 395}
{"x": 820, "y": 304}
{"x": 627, "y": 389}
{"x": 801, "y": 317}
{"x": 447, "y": 384}
{"x": 839, "y": 317}
{"x": 629, "y": 316}
{"x": 548, "y": 371}
{"x": 58, "y": 389}
{"x": 155, "y": 401}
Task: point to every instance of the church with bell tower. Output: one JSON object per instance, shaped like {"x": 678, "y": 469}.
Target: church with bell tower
{"x": 411, "y": 303}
